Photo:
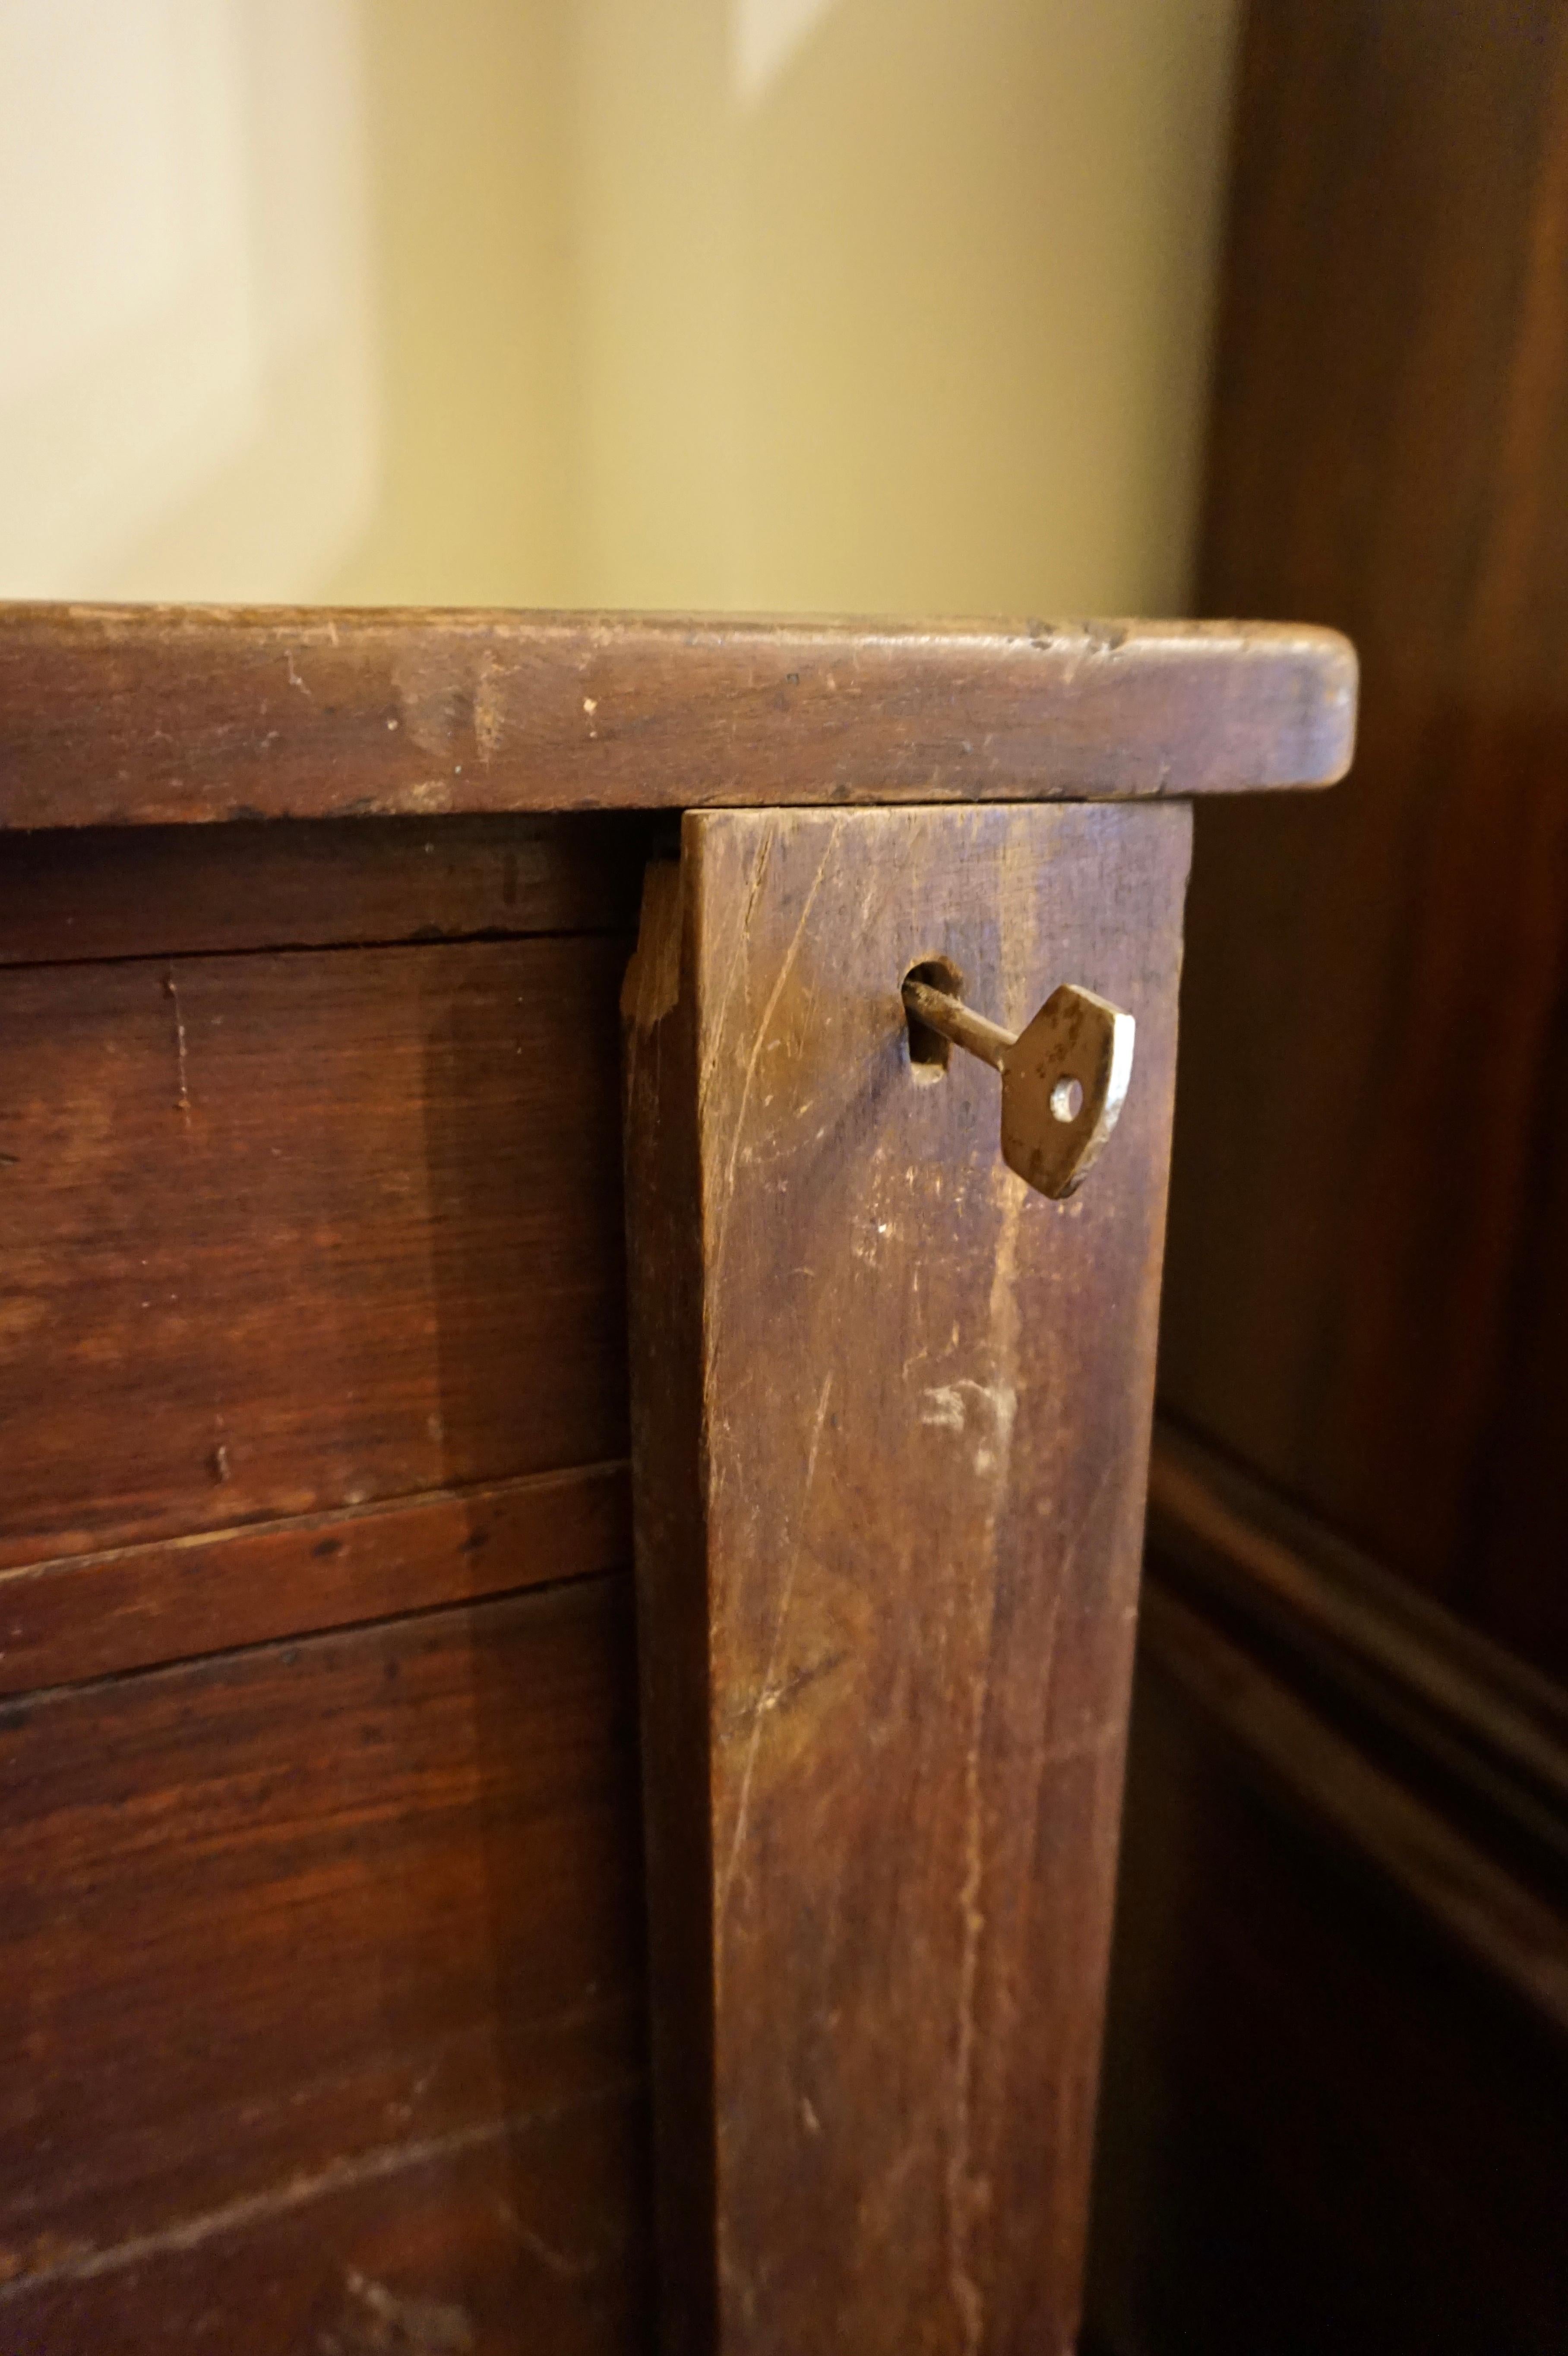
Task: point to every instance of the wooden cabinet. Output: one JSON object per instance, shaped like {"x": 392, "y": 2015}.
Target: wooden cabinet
{"x": 332, "y": 1726}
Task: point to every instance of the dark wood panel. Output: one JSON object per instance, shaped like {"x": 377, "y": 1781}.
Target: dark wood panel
{"x": 93, "y": 1615}
{"x": 1335, "y": 2100}
{"x": 1322, "y": 2124}
{"x": 296, "y": 1232}
{"x": 1414, "y": 1851}
{"x": 286, "y": 1924}
{"x": 1364, "y": 1295}
{"x": 1517, "y": 1579}
{"x": 891, "y": 1416}
{"x": 526, "y": 2239}
{"x": 102, "y": 891}
{"x": 113, "y": 715}
{"x": 1247, "y": 1556}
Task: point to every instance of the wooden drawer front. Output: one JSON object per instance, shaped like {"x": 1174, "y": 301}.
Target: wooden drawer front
{"x": 291, "y": 1232}
{"x": 292, "y": 1934}
{"x": 318, "y": 1784}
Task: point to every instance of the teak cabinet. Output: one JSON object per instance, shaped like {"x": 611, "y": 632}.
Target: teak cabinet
{"x": 339, "y": 1772}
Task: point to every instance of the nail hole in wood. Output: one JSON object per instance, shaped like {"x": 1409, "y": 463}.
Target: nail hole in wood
{"x": 928, "y": 1050}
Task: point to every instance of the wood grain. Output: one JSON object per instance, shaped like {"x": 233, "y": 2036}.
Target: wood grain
{"x": 167, "y": 891}
{"x": 1519, "y": 1938}
{"x": 526, "y": 2236}
{"x": 1367, "y": 1298}
{"x": 137, "y": 715}
{"x": 890, "y": 1438}
{"x": 1335, "y": 2104}
{"x": 292, "y": 1920}
{"x": 1327, "y": 2120}
{"x": 326, "y": 1990}
{"x": 290, "y": 1233}
{"x": 1240, "y": 1551}
{"x": 65, "y": 1621}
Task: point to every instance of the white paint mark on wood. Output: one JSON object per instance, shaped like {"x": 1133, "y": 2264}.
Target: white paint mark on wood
{"x": 182, "y": 1095}
{"x": 489, "y": 723}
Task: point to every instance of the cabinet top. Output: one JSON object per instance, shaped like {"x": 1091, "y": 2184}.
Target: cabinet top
{"x": 151, "y": 714}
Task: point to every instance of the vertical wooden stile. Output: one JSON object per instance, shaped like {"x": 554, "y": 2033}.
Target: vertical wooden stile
{"x": 890, "y": 1428}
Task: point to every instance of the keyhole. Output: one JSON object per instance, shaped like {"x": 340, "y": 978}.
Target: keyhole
{"x": 928, "y": 1050}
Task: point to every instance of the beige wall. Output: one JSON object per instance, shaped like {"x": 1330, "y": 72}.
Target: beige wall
{"x": 470, "y": 134}
{"x": 924, "y": 325}
{"x": 854, "y": 304}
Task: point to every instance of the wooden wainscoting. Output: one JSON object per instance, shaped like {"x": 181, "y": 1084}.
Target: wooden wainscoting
{"x": 1335, "y": 2108}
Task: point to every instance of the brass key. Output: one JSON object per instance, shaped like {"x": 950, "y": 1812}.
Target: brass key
{"x": 1063, "y": 1078}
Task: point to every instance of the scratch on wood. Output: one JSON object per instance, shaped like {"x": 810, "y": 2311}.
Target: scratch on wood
{"x": 966, "y": 2196}
{"x": 738, "y": 960}
{"x": 28, "y": 2270}
{"x": 770, "y": 1690}
{"x": 182, "y": 1098}
{"x": 759, "y": 1038}
{"x": 1104, "y": 1739}
{"x": 554, "y": 2261}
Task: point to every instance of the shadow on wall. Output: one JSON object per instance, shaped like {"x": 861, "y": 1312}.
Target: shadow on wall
{"x": 187, "y": 382}
{"x": 875, "y": 303}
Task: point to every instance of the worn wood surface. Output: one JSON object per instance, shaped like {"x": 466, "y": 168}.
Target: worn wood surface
{"x": 159, "y": 890}
{"x": 1367, "y": 1296}
{"x": 286, "y": 1233}
{"x": 81, "y": 1616}
{"x": 890, "y": 1435}
{"x": 323, "y": 1957}
{"x": 524, "y": 2237}
{"x": 295, "y": 1926}
{"x": 121, "y": 715}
